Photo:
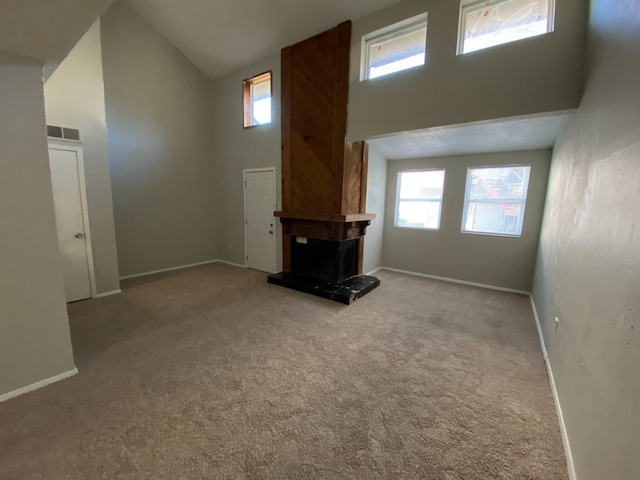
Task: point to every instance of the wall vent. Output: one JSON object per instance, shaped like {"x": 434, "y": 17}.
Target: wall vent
{"x": 63, "y": 132}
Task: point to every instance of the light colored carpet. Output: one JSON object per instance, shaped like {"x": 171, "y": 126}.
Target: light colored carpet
{"x": 212, "y": 373}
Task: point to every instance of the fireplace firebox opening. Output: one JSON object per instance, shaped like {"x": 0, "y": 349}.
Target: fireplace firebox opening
{"x": 324, "y": 260}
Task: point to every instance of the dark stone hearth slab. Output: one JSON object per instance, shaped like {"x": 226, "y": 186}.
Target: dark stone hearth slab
{"x": 346, "y": 291}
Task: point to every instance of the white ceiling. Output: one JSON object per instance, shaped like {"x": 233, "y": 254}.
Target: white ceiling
{"x": 46, "y": 30}
{"x": 523, "y": 133}
{"x": 224, "y": 35}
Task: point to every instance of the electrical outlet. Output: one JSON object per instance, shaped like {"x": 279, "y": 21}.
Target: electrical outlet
{"x": 555, "y": 328}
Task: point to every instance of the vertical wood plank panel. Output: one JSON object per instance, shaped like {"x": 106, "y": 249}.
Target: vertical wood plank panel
{"x": 285, "y": 101}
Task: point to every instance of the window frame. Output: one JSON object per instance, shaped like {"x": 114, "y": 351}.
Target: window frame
{"x": 247, "y": 97}
{"x": 522, "y": 201}
{"x": 398, "y": 199}
{"x": 404, "y": 27}
{"x": 467, "y": 6}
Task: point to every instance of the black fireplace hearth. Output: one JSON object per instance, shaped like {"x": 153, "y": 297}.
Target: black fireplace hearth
{"x": 327, "y": 269}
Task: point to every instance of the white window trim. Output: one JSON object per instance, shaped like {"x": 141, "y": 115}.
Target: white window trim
{"x": 521, "y": 201}
{"x": 397, "y": 206}
{"x": 477, "y": 4}
{"x": 404, "y": 27}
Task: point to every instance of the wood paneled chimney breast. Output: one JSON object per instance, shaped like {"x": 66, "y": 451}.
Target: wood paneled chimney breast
{"x": 324, "y": 178}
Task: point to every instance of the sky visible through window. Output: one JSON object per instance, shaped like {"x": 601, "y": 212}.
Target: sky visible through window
{"x": 262, "y": 111}
{"x": 494, "y": 23}
{"x": 419, "y": 199}
{"x": 398, "y": 65}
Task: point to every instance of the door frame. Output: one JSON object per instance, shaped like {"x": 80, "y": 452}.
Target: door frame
{"x": 76, "y": 147}
{"x": 275, "y": 201}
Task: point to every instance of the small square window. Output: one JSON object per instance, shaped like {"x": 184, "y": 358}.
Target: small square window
{"x": 419, "y": 199}
{"x": 494, "y": 200}
{"x": 256, "y": 92}
{"x": 395, "y": 48}
{"x": 485, "y": 24}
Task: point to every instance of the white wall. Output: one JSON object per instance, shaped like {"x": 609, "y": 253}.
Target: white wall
{"x": 159, "y": 120}
{"x": 376, "y": 195}
{"x": 506, "y": 262}
{"x": 235, "y": 149}
{"x": 34, "y": 329}
{"x": 588, "y": 268}
{"x": 74, "y": 97}
{"x": 535, "y": 75}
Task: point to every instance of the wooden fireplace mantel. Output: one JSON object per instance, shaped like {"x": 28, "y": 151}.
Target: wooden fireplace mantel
{"x": 327, "y": 217}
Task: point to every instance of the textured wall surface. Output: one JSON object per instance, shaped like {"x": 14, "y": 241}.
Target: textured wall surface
{"x": 535, "y": 75}
{"x": 74, "y": 97}
{"x": 588, "y": 268}
{"x": 34, "y": 329}
{"x": 235, "y": 149}
{"x": 159, "y": 137}
{"x": 376, "y": 195}
{"x": 498, "y": 261}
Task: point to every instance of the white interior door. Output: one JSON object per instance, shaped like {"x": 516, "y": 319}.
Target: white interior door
{"x": 260, "y": 203}
{"x": 70, "y": 220}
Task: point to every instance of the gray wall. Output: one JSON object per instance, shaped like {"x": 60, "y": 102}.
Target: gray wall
{"x": 158, "y": 108}
{"x": 235, "y": 149}
{"x": 34, "y": 329}
{"x": 535, "y": 75}
{"x": 588, "y": 267}
{"x": 74, "y": 97}
{"x": 376, "y": 194}
{"x": 498, "y": 261}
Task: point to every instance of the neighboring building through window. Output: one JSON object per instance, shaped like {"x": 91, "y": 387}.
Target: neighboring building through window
{"x": 419, "y": 199}
{"x": 494, "y": 200}
{"x": 485, "y": 24}
{"x": 395, "y": 48}
{"x": 256, "y": 92}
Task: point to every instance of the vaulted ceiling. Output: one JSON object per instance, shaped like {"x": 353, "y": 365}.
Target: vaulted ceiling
{"x": 223, "y": 35}
{"x": 45, "y": 31}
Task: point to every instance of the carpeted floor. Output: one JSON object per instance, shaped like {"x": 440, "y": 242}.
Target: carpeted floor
{"x": 211, "y": 373}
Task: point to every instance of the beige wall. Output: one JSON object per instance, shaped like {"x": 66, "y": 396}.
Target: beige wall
{"x": 235, "y": 149}
{"x": 34, "y": 329}
{"x": 540, "y": 74}
{"x": 588, "y": 267}
{"x": 74, "y": 97}
{"x": 376, "y": 194}
{"x": 498, "y": 261}
{"x": 159, "y": 118}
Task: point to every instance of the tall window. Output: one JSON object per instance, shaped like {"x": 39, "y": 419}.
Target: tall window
{"x": 485, "y": 24}
{"x": 419, "y": 199}
{"x": 395, "y": 48}
{"x": 256, "y": 92}
{"x": 494, "y": 200}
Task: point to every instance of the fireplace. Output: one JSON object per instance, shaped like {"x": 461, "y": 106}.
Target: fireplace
{"x": 323, "y": 256}
{"x": 324, "y": 177}
{"x": 324, "y": 260}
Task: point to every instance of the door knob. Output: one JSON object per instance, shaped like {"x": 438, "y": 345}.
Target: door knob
{"x": 270, "y": 232}
{"x": 79, "y": 235}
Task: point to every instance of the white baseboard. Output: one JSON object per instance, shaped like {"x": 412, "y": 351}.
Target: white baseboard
{"x": 231, "y": 263}
{"x": 35, "y": 386}
{"x": 108, "y": 294}
{"x": 171, "y": 269}
{"x": 372, "y": 272}
{"x": 454, "y": 280}
{"x": 563, "y": 429}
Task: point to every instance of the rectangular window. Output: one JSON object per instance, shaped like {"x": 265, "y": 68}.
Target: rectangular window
{"x": 494, "y": 200}
{"x": 395, "y": 48}
{"x": 419, "y": 199}
{"x": 256, "y": 93}
{"x": 485, "y": 24}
